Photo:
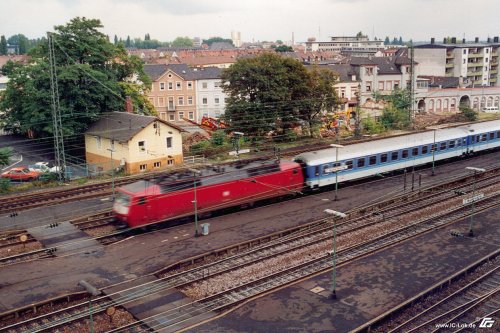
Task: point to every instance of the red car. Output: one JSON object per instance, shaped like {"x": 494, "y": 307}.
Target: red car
{"x": 21, "y": 174}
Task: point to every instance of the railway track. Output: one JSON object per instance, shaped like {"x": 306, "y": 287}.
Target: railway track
{"x": 478, "y": 299}
{"x": 312, "y": 244}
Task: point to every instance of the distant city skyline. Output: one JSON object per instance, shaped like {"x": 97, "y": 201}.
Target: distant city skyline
{"x": 260, "y": 20}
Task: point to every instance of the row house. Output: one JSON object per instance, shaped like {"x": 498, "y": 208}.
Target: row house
{"x": 179, "y": 92}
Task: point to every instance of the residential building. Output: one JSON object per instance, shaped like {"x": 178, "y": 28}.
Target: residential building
{"x": 133, "y": 142}
{"x": 357, "y": 46}
{"x": 475, "y": 63}
{"x": 179, "y": 91}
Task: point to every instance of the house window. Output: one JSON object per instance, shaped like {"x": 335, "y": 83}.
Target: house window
{"x": 143, "y": 167}
{"x": 381, "y": 86}
{"x": 180, "y": 100}
{"x": 161, "y": 101}
{"x": 162, "y": 85}
{"x": 396, "y": 85}
{"x": 204, "y": 85}
{"x": 171, "y": 117}
{"x": 190, "y": 100}
{"x": 170, "y": 162}
{"x": 181, "y": 115}
{"x": 204, "y": 101}
{"x": 142, "y": 146}
{"x": 389, "y": 85}
{"x": 169, "y": 142}
{"x": 170, "y": 86}
{"x": 368, "y": 86}
{"x": 190, "y": 85}
{"x": 217, "y": 84}
{"x": 169, "y": 75}
{"x": 157, "y": 165}
{"x": 178, "y": 85}
{"x": 369, "y": 70}
{"x": 216, "y": 100}
{"x": 191, "y": 115}
{"x": 171, "y": 105}
{"x": 98, "y": 142}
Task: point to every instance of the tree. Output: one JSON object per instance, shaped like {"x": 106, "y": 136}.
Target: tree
{"x": 394, "y": 41}
{"x": 264, "y": 93}
{"x": 360, "y": 35}
{"x": 182, "y": 42}
{"x": 127, "y": 42}
{"x": 3, "y": 45}
{"x": 321, "y": 96}
{"x": 400, "y": 41}
{"x": 396, "y": 114}
{"x": 283, "y": 48}
{"x": 212, "y": 40}
{"x": 115, "y": 41}
{"x": 93, "y": 76}
{"x": 147, "y": 37}
{"x": 387, "y": 41}
{"x": 5, "y": 154}
{"x": 468, "y": 113}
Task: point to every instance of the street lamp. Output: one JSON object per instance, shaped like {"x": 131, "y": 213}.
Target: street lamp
{"x": 93, "y": 291}
{"x": 195, "y": 202}
{"x": 476, "y": 170}
{"x": 334, "y": 214}
{"x": 337, "y": 168}
{"x": 111, "y": 151}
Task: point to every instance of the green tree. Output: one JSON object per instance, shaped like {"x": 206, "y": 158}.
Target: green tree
{"x": 396, "y": 114}
{"x": 5, "y": 154}
{"x": 212, "y": 40}
{"x": 182, "y": 42}
{"x": 93, "y": 76}
{"x": 468, "y": 113}
{"x": 360, "y": 35}
{"x": 387, "y": 41}
{"x": 400, "y": 41}
{"x": 264, "y": 93}
{"x": 116, "y": 40}
{"x": 128, "y": 43}
{"x": 3, "y": 45}
{"x": 283, "y": 48}
{"x": 321, "y": 96}
{"x": 394, "y": 118}
{"x": 147, "y": 37}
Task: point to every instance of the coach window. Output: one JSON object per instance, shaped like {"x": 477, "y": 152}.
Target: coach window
{"x": 498, "y": 134}
{"x": 459, "y": 142}
{"x": 477, "y": 138}
{"x": 414, "y": 152}
{"x": 394, "y": 156}
{"x": 316, "y": 170}
{"x": 348, "y": 164}
{"x": 442, "y": 146}
{"x": 325, "y": 169}
{"x": 404, "y": 154}
{"x": 425, "y": 150}
{"x": 434, "y": 148}
{"x": 383, "y": 158}
{"x": 373, "y": 160}
{"x": 451, "y": 144}
{"x": 492, "y": 135}
{"x": 483, "y": 137}
{"x": 361, "y": 162}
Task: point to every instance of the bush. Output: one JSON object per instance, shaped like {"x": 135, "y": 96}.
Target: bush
{"x": 468, "y": 113}
{"x": 371, "y": 126}
{"x": 4, "y": 185}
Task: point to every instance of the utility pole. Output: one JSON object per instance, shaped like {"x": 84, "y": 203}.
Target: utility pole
{"x": 56, "y": 113}
{"x": 357, "y": 131}
{"x": 412, "y": 84}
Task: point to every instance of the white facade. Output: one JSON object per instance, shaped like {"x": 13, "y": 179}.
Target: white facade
{"x": 211, "y": 100}
{"x": 346, "y": 44}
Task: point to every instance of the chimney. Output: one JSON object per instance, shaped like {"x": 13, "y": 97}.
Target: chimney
{"x": 432, "y": 40}
{"x": 476, "y": 40}
{"x": 454, "y": 40}
{"x": 495, "y": 39}
{"x": 129, "y": 106}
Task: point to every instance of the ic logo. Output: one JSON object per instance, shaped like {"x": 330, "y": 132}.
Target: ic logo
{"x": 486, "y": 322}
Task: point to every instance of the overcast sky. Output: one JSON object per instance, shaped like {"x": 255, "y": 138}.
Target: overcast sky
{"x": 260, "y": 20}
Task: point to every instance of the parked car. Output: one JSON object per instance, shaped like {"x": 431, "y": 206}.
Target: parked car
{"x": 40, "y": 167}
{"x": 21, "y": 174}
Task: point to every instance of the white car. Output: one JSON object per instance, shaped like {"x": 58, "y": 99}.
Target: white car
{"x": 43, "y": 167}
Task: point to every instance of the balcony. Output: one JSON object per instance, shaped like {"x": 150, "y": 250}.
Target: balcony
{"x": 493, "y": 79}
{"x": 478, "y": 82}
{"x": 474, "y": 73}
{"x": 475, "y": 64}
{"x": 475, "y": 55}
{"x": 494, "y": 71}
{"x": 450, "y": 65}
{"x": 449, "y": 56}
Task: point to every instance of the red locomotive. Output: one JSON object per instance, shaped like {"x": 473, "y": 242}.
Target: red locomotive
{"x": 150, "y": 201}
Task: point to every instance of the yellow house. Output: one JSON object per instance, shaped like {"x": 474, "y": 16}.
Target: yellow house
{"x": 135, "y": 142}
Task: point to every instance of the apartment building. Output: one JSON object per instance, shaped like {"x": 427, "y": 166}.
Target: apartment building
{"x": 179, "y": 92}
{"x": 357, "y": 46}
{"x": 475, "y": 63}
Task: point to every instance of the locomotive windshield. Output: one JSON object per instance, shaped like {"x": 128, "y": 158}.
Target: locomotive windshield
{"x": 122, "y": 199}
